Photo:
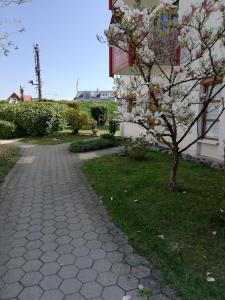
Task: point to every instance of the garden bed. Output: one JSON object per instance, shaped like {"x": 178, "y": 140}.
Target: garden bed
{"x": 93, "y": 145}
{"x": 182, "y": 233}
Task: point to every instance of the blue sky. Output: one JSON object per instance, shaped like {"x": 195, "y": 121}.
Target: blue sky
{"x": 66, "y": 33}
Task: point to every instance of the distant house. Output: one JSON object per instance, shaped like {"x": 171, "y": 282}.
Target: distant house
{"x": 14, "y": 98}
{"x": 95, "y": 95}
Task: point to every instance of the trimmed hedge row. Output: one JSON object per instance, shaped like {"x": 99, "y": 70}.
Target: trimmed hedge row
{"x": 92, "y": 145}
{"x": 35, "y": 119}
{"x": 7, "y": 129}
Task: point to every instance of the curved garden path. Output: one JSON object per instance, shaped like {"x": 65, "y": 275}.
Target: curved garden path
{"x": 56, "y": 239}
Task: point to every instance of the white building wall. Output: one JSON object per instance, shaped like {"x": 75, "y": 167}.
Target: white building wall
{"x": 205, "y": 147}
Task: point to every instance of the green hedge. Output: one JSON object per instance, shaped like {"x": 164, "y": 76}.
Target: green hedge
{"x": 92, "y": 145}
{"x": 35, "y": 119}
{"x": 7, "y": 129}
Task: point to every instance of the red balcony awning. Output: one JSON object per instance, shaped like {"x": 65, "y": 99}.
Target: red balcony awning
{"x": 119, "y": 60}
{"x": 111, "y": 4}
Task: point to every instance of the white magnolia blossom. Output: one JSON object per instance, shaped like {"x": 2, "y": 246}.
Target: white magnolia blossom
{"x": 158, "y": 97}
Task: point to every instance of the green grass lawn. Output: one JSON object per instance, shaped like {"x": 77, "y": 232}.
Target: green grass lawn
{"x": 60, "y": 138}
{"x": 111, "y": 106}
{"x": 145, "y": 209}
{"x": 6, "y": 164}
{"x": 65, "y": 136}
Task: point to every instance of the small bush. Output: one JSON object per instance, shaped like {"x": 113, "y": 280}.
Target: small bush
{"x": 76, "y": 120}
{"x": 137, "y": 149}
{"x": 113, "y": 127}
{"x": 92, "y": 145}
{"x": 100, "y": 114}
{"x": 7, "y": 129}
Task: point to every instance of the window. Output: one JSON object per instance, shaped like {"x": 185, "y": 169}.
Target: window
{"x": 212, "y": 113}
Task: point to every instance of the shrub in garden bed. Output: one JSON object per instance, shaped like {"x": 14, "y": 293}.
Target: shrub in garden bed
{"x": 76, "y": 120}
{"x": 92, "y": 145}
{"x": 35, "y": 119}
{"x": 113, "y": 127}
{"x": 137, "y": 149}
{"x": 7, "y": 129}
{"x": 100, "y": 114}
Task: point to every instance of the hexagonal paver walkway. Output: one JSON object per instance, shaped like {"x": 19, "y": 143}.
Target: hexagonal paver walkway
{"x": 56, "y": 239}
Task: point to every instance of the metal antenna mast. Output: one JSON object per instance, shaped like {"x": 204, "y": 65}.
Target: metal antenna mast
{"x": 38, "y": 70}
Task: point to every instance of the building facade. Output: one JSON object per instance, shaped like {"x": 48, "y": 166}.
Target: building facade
{"x": 15, "y": 98}
{"x": 212, "y": 145}
{"x": 95, "y": 96}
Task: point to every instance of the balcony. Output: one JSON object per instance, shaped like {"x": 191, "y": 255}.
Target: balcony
{"x": 145, "y": 3}
{"x": 120, "y": 62}
{"x": 164, "y": 45}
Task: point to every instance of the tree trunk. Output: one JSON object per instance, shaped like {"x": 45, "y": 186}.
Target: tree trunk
{"x": 173, "y": 174}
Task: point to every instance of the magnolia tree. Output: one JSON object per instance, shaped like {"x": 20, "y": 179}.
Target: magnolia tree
{"x": 174, "y": 58}
{"x": 5, "y": 41}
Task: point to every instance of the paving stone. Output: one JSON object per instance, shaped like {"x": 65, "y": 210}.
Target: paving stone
{"x": 33, "y": 254}
{"x": 84, "y": 262}
{"x": 121, "y": 269}
{"x": 32, "y": 265}
{"x": 87, "y": 275}
{"x": 49, "y": 256}
{"x": 19, "y": 242}
{"x": 14, "y": 263}
{"x": 17, "y": 252}
{"x": 33, "y": 245}
{"x": 29, "y": 293}
{"x": 115, "y": 256}
{"x": 109, "y": 246}
{"x": 12, "y": 276}
{"x": 51, "y": 282}
{"x": 31, "y": 279}
{"x": 48, "y": 238}
{"x": 70, "y": 286}
{"x": 95, "y": 244}
{"x": 10, "y": 291}
{"x": 63, "y": 240}
{"x": 74, "y": 297}
{"x": 107, "y": 278}
{"x": 57, "y": 242}
{"x": 97, "y": 254}
{"x": 152, "y": 284}
{"x": 91, "y": 290}
{"x": 65, "y": 249}
{"x": 112, "y": 293}
{"x": 102, "y": 265}
{"x": 66, "y": 259}
{"x": 50, "y": 268}
{"x": 52, "y": 295}
{"x": 140, "y": 271}
{"x": 128, "y": 282}
{"x": 68, "y": 272}
{"x": 49, "y": 246}
{"x": 81, "y": 251}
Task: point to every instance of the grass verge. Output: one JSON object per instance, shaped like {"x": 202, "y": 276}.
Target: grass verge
{"x": 182, "y": 234}
{"x": 61, "y": 138}
{"x": 8, "y": 158}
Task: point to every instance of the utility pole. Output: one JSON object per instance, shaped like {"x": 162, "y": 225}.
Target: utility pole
{"x": 38, "y": 70}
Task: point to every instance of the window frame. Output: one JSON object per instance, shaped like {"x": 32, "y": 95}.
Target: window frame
{"x": 205, "y": 119}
